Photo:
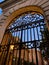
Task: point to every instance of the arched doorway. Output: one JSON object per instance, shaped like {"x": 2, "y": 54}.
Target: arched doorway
{"x": 24, "y": 38}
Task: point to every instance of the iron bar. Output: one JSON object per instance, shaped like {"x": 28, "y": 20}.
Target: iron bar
{"x": 35, "y": 47}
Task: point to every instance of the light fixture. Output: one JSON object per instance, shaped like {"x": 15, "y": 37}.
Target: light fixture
{"x": 11, "y": 47}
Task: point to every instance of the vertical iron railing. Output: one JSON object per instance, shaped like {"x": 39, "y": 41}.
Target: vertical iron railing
{"x": 27, "y": 41}
{"x": 20, "y": 47}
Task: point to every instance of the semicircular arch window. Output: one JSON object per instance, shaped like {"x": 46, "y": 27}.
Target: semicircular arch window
{"x": 30, "y": 26}
{"x": 28, "y": 18}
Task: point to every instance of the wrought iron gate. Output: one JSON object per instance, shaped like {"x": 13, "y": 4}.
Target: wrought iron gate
{"x": 29, "y": 39}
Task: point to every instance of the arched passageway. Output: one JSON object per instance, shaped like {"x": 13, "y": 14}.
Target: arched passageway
{"x": 23, "y": 38}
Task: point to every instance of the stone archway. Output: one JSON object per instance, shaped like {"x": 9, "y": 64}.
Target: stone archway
{"x": 18, "y": 12}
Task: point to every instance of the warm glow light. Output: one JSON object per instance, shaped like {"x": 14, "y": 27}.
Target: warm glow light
{"x": 11, "y": 47}
{"x": 45, "y": 62}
